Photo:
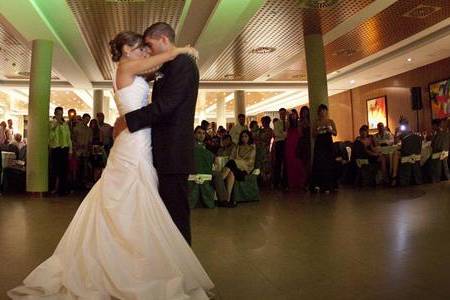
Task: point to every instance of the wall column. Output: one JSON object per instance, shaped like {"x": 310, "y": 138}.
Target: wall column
{"x": 239, "y": 104}
{"x": 221, "y": 119}
{"x": 316, "y": 72}
{"x": 106, "y": 109}
{"x": 38, "y": 110}
{"x": 98, "y": 102}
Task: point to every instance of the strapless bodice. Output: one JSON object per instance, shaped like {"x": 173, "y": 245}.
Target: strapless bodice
{"x": 132, "y": 97}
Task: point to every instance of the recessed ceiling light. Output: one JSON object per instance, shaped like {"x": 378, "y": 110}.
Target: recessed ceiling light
{"x": 409, "y": 59}
{"x": 263, "y": 50}
{"x": 352, "y": 81}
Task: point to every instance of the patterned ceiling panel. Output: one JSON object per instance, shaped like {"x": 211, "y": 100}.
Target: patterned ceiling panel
{"x": 278, "y": 24}
{"x": 398, "y": 22}
{"x": 15, "y": 58}
{"x": 101, "y": 20}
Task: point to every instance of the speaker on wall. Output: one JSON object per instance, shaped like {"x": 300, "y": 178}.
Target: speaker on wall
{"x": 416, "y": 98}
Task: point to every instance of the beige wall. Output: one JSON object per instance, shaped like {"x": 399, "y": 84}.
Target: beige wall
{"x": 397, "y": 91}
{"x": 340, "y": 110}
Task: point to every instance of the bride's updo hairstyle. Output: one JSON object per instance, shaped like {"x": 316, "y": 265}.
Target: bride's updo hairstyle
{"x": 128, "y": 38}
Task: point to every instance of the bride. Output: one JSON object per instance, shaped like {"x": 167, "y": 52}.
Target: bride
{"x": 122, "y": 242}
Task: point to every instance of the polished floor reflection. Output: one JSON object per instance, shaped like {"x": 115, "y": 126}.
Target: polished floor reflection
{"x": 366, "y": 244}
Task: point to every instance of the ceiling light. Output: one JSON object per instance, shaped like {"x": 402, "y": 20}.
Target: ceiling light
{"x": 263, "y": 50}
{"x": 352, "y": 81}
{"x": 409, "y": 59}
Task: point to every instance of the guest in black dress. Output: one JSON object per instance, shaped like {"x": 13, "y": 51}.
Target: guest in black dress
{"x": 304, "y": 143}
{"x": 323, "y": 176}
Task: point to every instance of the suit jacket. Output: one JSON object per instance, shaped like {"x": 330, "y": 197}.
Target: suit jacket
{"x": 171, "y": 116}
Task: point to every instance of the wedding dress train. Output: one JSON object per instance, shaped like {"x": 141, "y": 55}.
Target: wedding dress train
{"x": 122, "y": 242}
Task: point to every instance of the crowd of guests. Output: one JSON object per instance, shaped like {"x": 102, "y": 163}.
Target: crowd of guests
{"x": 281, "y": 150}
{"x": 79, "y": 147}
{"x": 278, "y": 151}
{"x": 10, "y": 141}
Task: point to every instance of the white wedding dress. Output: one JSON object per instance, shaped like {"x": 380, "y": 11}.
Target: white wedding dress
{"x": 122, "y": 242}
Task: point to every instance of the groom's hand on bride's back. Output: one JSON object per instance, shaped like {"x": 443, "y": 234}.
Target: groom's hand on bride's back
{"x": 119, "y": 126}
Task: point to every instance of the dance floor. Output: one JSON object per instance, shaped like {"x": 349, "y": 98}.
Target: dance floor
{"x": 356, "y": 244}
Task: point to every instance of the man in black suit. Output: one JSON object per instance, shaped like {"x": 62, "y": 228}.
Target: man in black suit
{"x": 171, "y": 117}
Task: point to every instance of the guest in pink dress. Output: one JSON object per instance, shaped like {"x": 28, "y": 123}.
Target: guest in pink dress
{"x": 296, "y": 173}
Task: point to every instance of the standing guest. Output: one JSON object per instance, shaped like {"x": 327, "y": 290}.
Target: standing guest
{"x": 98, "y": 155}
{"x": 241, "y": 163}
{"x": 60, "y": 145}
{"x": 82, "y": 146}
{"x": 18, "y": 142}
{"x": 304, "y": 143}
{"x": 280, "y": 133}
{"x": 236, "y": 130}
{"x": 323, "y": 177}
{"x": 97, "y": 138}
{"x": 295, "y": 172}
{"x": 265, "y": 140}
{"x": 106, "y": 131}
{"x": 383, "y": 137}
{"x": 10, "y": 132}
{"x": 213, "y": 129}
{"x": 73, "y": 162}
{"x": 255, "y": 130}
{"x": 3, "y": 128}
{"x": 205, "y": 126}
{"x": 72, "y": 117}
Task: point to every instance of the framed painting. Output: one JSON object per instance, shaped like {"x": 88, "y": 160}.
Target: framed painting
{"x": 440, "y": 99}
{"x": 377, "y": 112}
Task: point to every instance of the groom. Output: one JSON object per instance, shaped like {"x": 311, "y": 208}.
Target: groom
{"x": 171, "y": 117}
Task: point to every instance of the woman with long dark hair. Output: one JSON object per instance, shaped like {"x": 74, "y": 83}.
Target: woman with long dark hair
{"x": 241, "y": 163}
{"x": 304, "y": 143}
{"x": 295, "y": 172}
{"x": 323, "y": 177}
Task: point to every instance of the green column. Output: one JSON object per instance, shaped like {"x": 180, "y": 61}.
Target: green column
{"x": 316, "y": 72}
{"x": 98, "y": 102}
{"x": 239, "y": 104}
{"x": 38, "y": 108}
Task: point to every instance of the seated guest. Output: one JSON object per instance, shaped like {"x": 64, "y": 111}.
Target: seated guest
{"x": 204, "y": 160}
{"x": 383, "y": 137}
{"x": 241, "y": 163}
{"x": 374, "y": 155}
{"x": 227, "y": 146}
{"x": 18, "y": 142}
{"x": 221, "y": 132}
{"x": 410, "y": 144}
{"x": 199, "y": 147}
{"x": 440, "y": 143}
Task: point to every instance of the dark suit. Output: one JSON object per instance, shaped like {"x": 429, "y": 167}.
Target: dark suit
{"x": 171, "y": 117}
